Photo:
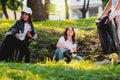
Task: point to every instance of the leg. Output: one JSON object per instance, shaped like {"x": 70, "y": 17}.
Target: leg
{"x": 20, "y": 55}
{"x": 59, "y": 53}
{"x": 79, "y": 58}
{"x": 21, "y": 49}
{"x": 118, "y": 32}
{"x": 24, "y": 51}
{"x": 118, "y": 58}
{"x": 118, "y": 26}
{"x": 27, "y": 55}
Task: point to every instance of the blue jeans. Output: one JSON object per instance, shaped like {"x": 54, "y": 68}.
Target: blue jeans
{"x": 79, "y": 58}
{"x": 59, "y": 53}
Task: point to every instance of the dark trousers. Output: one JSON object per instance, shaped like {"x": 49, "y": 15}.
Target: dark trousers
{"x": 8, "y": 47}
{"x": 23, "y": 53}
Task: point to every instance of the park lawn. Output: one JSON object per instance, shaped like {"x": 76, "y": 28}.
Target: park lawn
{"x": 48, "y": 34}
{"x": 50, "y": 31}
{"x": 76, "y": 70}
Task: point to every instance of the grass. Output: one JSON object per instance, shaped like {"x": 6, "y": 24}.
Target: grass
{"x": 81, "y": 70}
{"x": 49, "y": 33}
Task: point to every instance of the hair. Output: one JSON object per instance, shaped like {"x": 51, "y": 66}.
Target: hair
{"x": 30, "y": 22}
{"x": 73, "y": 36}
{"x": 29, "y": 19}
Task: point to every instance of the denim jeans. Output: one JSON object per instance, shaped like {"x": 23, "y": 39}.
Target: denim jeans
{"x": 59, "y": 53}
{"x": 79, "y": 58}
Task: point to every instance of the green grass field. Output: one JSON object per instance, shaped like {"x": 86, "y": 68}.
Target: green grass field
{"x": 41, "y": 68}
{"x": 81, "y": 70}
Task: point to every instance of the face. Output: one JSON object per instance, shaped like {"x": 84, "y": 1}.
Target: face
{"x": 25, "y": 16}
{"x": 69, "y": 31}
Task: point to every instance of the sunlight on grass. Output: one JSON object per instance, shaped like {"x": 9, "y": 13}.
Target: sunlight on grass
{"x": 49, "y": 33}
{"x": 75, "y": 70}
{"x": 75, "y": 64}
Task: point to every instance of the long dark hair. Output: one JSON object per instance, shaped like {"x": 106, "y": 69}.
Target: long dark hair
{"x": 73, "y": 36}
{"x": 30, "y": 22}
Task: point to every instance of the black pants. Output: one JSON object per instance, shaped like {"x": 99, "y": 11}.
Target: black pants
{"x": 23, "y": 53}
{"x": 9, "y": 45}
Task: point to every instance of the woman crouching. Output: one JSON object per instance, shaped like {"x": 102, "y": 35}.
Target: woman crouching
{"x": 15, "y": 37}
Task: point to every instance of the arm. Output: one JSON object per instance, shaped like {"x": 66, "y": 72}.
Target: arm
{"x": 14, "y": 28}
{"x": 107, "y": 8}
{"x": 59, "y": 45}
{"x": 116, "y": 11}
{"x": 74, "y": 49}
{"x": 29, "y": 35}
{"x": 118, "y": 6}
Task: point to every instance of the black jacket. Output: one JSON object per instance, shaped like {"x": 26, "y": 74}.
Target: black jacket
{"x": 19, "y": 27}
{"x": 108, "y": 36}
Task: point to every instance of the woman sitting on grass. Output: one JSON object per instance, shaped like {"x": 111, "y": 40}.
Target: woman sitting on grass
{"x": 67, "y": 44}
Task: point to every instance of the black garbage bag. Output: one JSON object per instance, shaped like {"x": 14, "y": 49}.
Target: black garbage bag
{"x": 67, "y": 56}
{"x": 108, "y": 36}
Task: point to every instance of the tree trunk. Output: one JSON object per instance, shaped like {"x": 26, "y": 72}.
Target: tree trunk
{"x": 66, "y": 10}
{"x": 15, "y": 16}
{"x": 37, "y": 9}
{"x": 83, "y": 14}
{"x": 46, "y": 8}
{"x": 85, "y": 8}
{"x": 3, "y": 3}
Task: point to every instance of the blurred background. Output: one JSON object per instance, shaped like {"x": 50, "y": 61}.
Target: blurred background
{"x": 52, "y": 9}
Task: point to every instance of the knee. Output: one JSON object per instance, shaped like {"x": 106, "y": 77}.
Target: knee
{"x": 61, "y": 50}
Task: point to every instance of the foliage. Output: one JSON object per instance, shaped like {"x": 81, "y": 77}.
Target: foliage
{"x": 49, "y": 33}
{"x": 76, "y": 70}
{"x": 104, "y": 2}
{"x": 14, "y": 4}
{"x": 52, "y": 8}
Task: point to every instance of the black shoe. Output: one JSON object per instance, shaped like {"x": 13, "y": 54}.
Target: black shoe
{"x": 118, "y": 62}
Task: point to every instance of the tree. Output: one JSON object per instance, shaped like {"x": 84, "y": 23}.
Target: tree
{"x": 3, "y": 3}
{"x": 52, "y": 8}
{"x": 46, "y": 8}
{"x": 104, "y": 2}
{"x": 14, "y": 6}
{"x": 85, "y": 8}
{"x": 37, "y": 8}
{"x": 66, "y": 10}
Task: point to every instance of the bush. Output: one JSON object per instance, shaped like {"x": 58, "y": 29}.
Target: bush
{"x": 50, "y": 31}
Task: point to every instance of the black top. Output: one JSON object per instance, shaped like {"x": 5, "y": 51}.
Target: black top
{"x": 19, "y": 27}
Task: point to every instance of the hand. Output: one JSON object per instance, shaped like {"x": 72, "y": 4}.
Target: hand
{"x": 72, "y": 50}
{"x": 74, "y": 55}
{"x": 100, "y": 17}
{"x": 111, "y": 17}
{"x": 35, "y": 36}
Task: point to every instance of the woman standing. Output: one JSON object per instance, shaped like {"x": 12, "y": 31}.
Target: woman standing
{"x": 113, "y": 9}
{"x": 65, "y": 43}
{"x": 15, "y": 37}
